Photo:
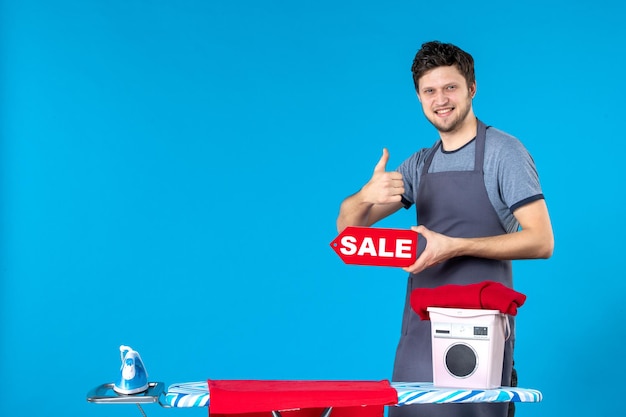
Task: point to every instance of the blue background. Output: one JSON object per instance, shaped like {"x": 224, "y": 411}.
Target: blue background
{"x": 171, "y": 172}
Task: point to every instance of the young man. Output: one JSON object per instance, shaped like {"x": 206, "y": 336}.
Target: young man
{"x": 479, "y": 205}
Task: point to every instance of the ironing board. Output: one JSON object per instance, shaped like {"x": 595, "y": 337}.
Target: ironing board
{"x": 196, "y": 394}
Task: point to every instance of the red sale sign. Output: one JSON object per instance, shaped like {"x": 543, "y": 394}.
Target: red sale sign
{"x": 378, "y": 247}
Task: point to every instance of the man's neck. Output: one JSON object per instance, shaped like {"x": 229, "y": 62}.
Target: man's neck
{"x": 452, "y": 141}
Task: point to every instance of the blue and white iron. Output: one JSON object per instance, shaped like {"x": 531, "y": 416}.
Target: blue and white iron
{"x": 133, "y": 375}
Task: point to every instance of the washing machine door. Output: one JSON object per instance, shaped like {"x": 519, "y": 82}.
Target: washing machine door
{"x": 461, "y": 360}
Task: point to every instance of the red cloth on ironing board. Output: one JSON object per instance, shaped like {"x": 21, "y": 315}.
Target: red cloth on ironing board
{"x": 300, "y": 398}
{"x": 488, "y": 295}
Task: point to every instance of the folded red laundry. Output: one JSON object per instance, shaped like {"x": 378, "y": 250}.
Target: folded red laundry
{"x": 487, "y": 295}
{"x": 301, "y": 398}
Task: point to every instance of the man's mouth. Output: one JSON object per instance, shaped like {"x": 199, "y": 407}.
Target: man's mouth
{"x": 444, "y": 111}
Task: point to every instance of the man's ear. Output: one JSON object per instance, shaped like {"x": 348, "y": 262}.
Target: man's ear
{"x": 472, "y": 89}
{"x": 418, "y": 96}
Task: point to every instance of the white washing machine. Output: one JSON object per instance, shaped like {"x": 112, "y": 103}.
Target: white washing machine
{"x": 468, "y": 347}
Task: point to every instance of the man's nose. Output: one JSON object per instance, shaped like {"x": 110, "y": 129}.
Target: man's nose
{"x": 440, "y": 98}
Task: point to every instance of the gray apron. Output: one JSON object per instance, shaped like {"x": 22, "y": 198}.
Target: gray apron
{"x": 456, "y": 204}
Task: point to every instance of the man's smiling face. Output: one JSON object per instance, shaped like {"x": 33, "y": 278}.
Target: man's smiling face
{"x": 446, "y": 98}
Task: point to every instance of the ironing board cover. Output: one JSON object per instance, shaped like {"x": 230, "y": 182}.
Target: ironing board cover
{"x": 196, "y": 394}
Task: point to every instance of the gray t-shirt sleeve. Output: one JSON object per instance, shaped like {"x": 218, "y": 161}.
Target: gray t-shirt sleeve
{"x": 405, "y": 168}
{"x": 518, "y": 180}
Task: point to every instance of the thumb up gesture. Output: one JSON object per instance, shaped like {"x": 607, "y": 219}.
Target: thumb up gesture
{"x": 385, "y": 186}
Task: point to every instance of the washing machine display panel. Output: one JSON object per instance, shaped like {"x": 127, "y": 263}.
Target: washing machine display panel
{"x": 461, "y": 331}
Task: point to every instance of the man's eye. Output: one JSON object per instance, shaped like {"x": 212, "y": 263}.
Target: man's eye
{"x": 451, "y": 87}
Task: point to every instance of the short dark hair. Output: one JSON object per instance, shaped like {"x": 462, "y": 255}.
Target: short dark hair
{"x": 436, "y": 54}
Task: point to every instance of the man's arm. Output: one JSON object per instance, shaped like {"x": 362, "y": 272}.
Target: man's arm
{"x": 379, "y": 198}
{"x": 535, "y": 240}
